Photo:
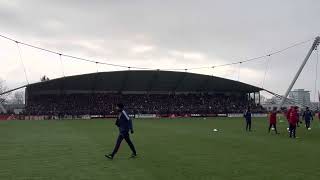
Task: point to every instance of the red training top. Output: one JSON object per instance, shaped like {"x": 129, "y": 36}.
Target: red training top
{"x": 273, "y": 118}
{"x": 293, "y": 117}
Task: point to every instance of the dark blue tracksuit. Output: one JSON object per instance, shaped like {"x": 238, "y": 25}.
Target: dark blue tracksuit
{"x": 307, "y": 116}
{"x": 247, "y": 116}
{"x": 124, "y": 124}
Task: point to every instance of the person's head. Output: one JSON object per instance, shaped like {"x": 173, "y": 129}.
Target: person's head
{"x": 120, "y": 107}
{"x": 248, "y": 108}
{"x": 307, "y": 108}
{"x": 296, "y": 107}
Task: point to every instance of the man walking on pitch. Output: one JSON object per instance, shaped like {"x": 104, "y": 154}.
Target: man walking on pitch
{"x": 307, "y": 116}
{"x": 124, "y": 124}
{"x": 247, "y": 116}
{"x": 293, "y": 122}
{"x": 273, "y": 120}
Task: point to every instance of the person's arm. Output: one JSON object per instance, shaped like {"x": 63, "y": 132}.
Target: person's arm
{"x": 117, "y": 122}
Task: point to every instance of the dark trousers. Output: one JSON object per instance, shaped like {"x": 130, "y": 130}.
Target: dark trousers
{"x": 307, "y": 124}
{"x": 128, "y": 140}
{"x": 275, "y": 127}
{"x": 248, "y": 125}
{"x": 292, "y": 130}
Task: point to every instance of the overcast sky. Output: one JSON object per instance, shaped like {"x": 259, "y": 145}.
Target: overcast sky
{"x": 161, "y": 34}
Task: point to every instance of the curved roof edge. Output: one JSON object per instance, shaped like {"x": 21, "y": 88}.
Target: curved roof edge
{"x": 140, "y": 81}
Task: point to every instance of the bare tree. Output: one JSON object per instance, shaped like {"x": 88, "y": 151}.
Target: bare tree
{"x": 18, "y": 97}
{"x": 44, "y": 78}
{"x": 3, "y": 88}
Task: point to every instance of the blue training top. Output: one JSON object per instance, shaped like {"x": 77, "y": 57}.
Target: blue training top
{"x": 124, "y": 122}
{"x": 307, "y": 115}
{"x": 247, "y": 115}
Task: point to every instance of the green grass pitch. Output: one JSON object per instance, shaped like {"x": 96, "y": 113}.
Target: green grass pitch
{"x": 172, "y": 149}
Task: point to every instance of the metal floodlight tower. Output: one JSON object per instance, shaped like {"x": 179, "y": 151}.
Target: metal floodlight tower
{"x": 313, "y": 47}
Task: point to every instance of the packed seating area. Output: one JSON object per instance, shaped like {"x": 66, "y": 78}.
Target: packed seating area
{"x": 164, "y": 104}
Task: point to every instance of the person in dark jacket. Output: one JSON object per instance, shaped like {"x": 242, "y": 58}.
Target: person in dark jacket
{"x": 124, "y": 123}
{"x": 247, "y": 115}
{"x": 307, "y": 116}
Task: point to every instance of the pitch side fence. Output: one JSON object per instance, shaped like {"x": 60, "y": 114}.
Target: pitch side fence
{"x": 138, "y": 116}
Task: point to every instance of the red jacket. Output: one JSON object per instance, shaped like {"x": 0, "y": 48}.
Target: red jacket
{"x": 273, "y": 118}
{"x": 293, "y": 117}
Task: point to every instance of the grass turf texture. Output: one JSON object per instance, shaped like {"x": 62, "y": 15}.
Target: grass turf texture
{"x": 168, "y": 149}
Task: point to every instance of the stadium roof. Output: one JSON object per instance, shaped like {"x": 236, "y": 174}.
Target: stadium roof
{"x": 140, "y": 81}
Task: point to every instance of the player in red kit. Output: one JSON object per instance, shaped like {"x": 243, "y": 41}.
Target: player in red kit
{"x": 288, "y": 116}
{"x": 293, "y": 122}
{"x": 273, "y": 120}
{"x": 288, "y": 113}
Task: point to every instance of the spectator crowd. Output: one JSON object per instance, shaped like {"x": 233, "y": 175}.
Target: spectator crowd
{"x": 163, "y": 104}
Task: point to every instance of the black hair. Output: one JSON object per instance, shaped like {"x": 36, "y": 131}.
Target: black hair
{"x": 120, "y": 105}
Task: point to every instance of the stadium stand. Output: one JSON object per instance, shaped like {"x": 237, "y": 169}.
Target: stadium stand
{"x": 144, "y": 92}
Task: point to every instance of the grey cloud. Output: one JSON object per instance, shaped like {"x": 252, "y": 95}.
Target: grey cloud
{"x": 229, "y": 30}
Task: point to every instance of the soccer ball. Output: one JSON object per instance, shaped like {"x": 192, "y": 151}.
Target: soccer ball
{"x": 309, "y": 129}
{"x": 272, "y": 129}
{"x": 215, "y": 130}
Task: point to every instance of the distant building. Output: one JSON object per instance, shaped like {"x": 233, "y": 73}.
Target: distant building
{"x": 300, "y": 96}
{"x": 274, "y": 102}
{"x": 12, "y": 108}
